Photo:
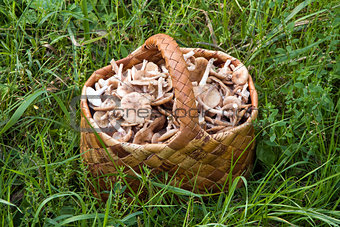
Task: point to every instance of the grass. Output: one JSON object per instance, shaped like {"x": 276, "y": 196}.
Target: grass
{"x": 48, "y": 48}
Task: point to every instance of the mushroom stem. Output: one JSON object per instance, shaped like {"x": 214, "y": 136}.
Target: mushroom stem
{"x": 164, "y": 69}
{"x": 188, "y": 55}
{"x": 206, "y": 107}
{"x": 133, "y": 72}
{"x": 206, "y": 72}
{"x": 144, "y": 64}
{"x": 226, "y": 65}
{"x": 102, "y": 118}
{"x": 114, "y": 66}
{"x": 120, "y": 70}
{"x": 93, "y": 95}
{"x": 129, "y": 75}
{"x": 223, "y": 86}
{"x": 102, "y": 90}
{"x": 160, "y": 87}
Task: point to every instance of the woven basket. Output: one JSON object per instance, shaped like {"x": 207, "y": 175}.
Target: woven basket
{"x": 194, "y": 156}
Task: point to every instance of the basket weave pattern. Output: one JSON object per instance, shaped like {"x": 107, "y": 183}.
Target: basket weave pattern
{"x": 193, "y": 154}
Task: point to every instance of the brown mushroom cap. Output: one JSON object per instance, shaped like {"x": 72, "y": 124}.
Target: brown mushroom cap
{"x": 100, "y": 118}
{"x": 123, "y": 136}
{"x": 168, "y": 86}
{"x": 145, "y": 134}
{"x": 155, "y": 137}
{"x": 125, "y": 89}
{"x": 107, "y": 105}
{"x": 168, "y": 134}
{"x": 231, "y": 100}
{"x": 164, "y": 99}
{"x": 209, "y": 95}
{"x": 136, "y": 107}
{"x": 150, "y": 66}
{"x": 226, "y": 90}
{"x": 200, "y": 66}
{"x": 240, "y": 75}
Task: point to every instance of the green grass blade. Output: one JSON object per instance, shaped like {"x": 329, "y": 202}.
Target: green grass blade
{"x": 20, "y": 111}
{"x": 10, "y": 204}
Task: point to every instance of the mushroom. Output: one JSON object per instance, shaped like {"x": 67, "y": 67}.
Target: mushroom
{"x": 200, "y": 66}
{"x": 140, "y": 75}
{"x": 135, "y": 105}
{"x": 206, "y": 72}
{"x": 122, "y": 135}
{"x": 242, "y": 92}
{"x": 97, "y": 86}
{"x": 112, "y": 81}
{"x": 226, "y": 90}
{"x": 145, "y": 134}
{"x": 209, "y": 119}
{"x": 167, "y": 97}
{"x": 155, "y": 137}
{"x": 168, "y": 134}
{"x": 94, "y": 96}
{"x": 101, "y": 118}
{"x": 114, "y": 66}
{"x": 164, "y": 69}
{"x": 188, "y": 55}
{"x": 125, "y": 89}
{"x": 240, "y": 75}
{"x": 214, "y": 129}
{"x": 221, "y": 122}
{"x": 107, "y": 105}
{"x": 206, "y": 107}
{"x": 144, "y": 82}
{"x": 225, "y": 70}
{"x": 151, "y": 67}
{"x": 168, "y": 84}
{"x": 232, "y": 100}
{"x": 231, "y": 105}
{"x": 102, "y": 82}
{"x": 160, "y": 88}
{"x": 209, "y": 95}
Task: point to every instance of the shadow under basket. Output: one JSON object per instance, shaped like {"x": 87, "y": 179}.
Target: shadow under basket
{"x": 195, "y": 160}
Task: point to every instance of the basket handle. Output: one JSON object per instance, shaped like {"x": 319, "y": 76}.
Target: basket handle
{"x": 186, "y": 109}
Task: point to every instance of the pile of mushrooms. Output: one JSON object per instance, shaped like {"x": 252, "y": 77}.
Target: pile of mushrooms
{"x": 137, "y": 105}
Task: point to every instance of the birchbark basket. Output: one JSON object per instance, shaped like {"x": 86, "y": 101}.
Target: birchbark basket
{"x": 194, "y": 156}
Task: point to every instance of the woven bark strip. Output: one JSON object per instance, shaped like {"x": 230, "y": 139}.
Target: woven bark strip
{"x": 194, "y": 155}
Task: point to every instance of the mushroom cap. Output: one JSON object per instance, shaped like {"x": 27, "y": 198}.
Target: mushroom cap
{"x": 231, "y": 101}
{"x": 143, "y": 82}
{"x": 123, "y": 136}
{"x": 240, "y": 75}
{"x": 150, "y": 66}
{"x": 168, "y": 86}
{"x": 107, "y": 105}
{"x": 167, "y": 97}
{"x": 100, "y": 119}
{"x": 155, "y": 137}
{"x": 212, "y": 97}
{"x": 168, "y": 134}
{"x": 208, "y": 94}
{"x": 114, "y": 82}
{"x": 102, "y": 82}
{"x": 145, "y": 135}
{"x": 200, "y": 66}
{"x": 126, "y": 88}
{"x": 136, "y": 107}
{"x": 143, "y": 74}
